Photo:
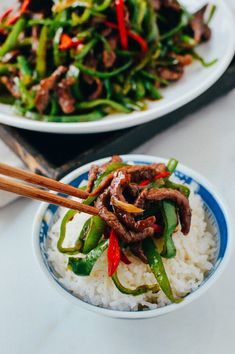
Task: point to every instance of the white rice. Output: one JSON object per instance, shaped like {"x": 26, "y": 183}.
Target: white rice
{"x": 194, "y": 258}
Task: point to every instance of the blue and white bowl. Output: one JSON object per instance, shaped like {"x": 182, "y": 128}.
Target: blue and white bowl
{"x": 217, "y": 216}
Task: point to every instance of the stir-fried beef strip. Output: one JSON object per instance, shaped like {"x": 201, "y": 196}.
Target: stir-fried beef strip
{"x": 178, "y": 198}
{"x": 171, "y": 4}
{"x": 137, "y": 249}
{"x": 102, "y": 203}
{"x": 46, "y": 86}
{"x": 66, "y": 99}
{"x": 10, "y": 86}
{"x": 109, "y": 55}
{"x": 171, "y": 74}
{"x": 120, "y": 181}
{"x": 93, "y": 173}
{"x": 114, "y": 159}
{"x": 201, "y": 30}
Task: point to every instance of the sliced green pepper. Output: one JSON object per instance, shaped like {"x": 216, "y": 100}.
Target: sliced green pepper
{"x": 92, "y": 232}
{"x": 6, "y": 69}
{"x": 67, "y": 119}
{"x": 12, "y": 39}
{"x": 172, "y": 164}
{"x": 41, "y": 62}
{"x": 158, "y": 269}
{"x": 170, "y": 223}
{"x": 25, "y": 70}
{"x": 56, "y": 50}
{"x": 83, "y": 266}
{"x": 86, "y": 49}
{"x": 69, "y": 250}
{"x": 102, "y": 75}
{"x": 142, "y": 289}
{"x": 171, "y": 167}
{"x": 103, "y": 6}
{"x": 106, "y": 102}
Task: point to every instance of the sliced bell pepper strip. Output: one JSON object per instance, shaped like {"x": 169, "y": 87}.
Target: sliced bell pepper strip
{"x": 113, "y": 253}
{"x": 83, "y": 266}
{"x": 142, "y": 42}
{"x": 102, "y": 101}
{"x": 102, "y": 75}
{"x": 23, "y": 9}
{"x": 41, "y": 62}
{"x": 158, "y": 269}
{"x": 120, "y": 11}
{"x": 69, "y": 250}
{"x": 5, "y": 14}
{"x": 171, "y": 166}
{"x": 92, "y": 233}
{"x": 170, "y": 223}
{"x": 66, "y": 42}
{"x": 25, "y": 70}
{"x": 12, "y": 39}
{"x": 142, "y": 289}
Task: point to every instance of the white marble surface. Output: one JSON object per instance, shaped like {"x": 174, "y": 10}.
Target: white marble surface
{"x": 34, "y": 319}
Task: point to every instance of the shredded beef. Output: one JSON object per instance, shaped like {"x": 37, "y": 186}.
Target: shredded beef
{"x": 173, "y": 74}
{"x": 10, "y": 85}
{"x": 201, "y": 30}
{"x": 178, "y": 198}
{"x": 137, "y": 250}
{"x": 111, "y": 219}
{"x": 66, "y": 99}
{"x": 43, "y": 90}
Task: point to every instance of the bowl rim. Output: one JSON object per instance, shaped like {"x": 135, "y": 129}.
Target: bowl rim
{"x": 154, "y": 312}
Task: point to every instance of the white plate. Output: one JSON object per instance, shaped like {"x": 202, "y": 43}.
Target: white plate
{"x": 195, "y": 81}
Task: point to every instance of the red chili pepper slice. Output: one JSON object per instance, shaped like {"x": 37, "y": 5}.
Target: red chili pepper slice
{"x": 144, "y": 182}
{"x": 13, "y": 20}
{"x": 66, "y": 42}
{"x": 142, "y": 42}
{"x": 24, "y": 6}
{"x": 5, "y": 14}
{"x": 162, "y": 175}
{"x": 23, "y": 9}
{"x": 124, "y": 258}
{"x": 113, "y": 253}
{"x": 120, "y": 10}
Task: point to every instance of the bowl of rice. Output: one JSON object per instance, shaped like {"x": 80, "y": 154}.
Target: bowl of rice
{"x": 200, "y": 258}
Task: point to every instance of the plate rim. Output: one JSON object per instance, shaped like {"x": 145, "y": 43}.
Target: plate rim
{"x": 135, "y": 118}
{"x": 155, "y": 312}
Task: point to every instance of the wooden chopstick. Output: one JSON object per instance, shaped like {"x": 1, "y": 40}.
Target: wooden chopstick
{"x": 38, "y": 194}
{"x": 41, "y": 181}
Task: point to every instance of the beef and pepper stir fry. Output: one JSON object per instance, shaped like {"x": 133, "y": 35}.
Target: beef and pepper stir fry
{"x": 76, "y": 61}
{"x": 137, "y": 206}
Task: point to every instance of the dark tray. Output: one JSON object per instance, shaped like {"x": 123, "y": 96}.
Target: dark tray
{"x": 55, "y": 155}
